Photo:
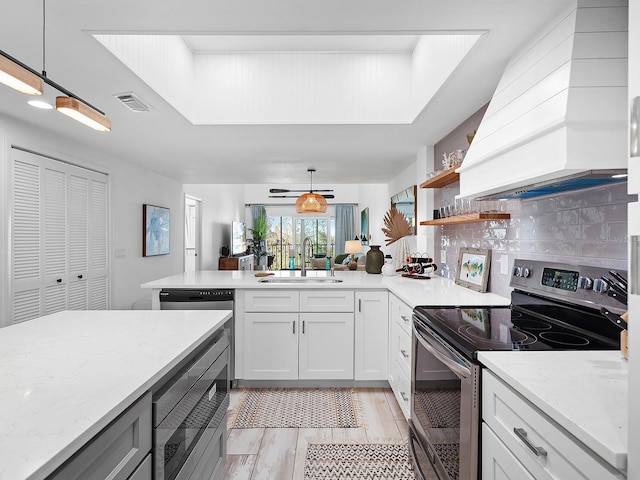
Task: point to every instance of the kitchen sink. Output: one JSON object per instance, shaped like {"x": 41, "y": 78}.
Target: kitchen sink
{"x": 302, "y": 280}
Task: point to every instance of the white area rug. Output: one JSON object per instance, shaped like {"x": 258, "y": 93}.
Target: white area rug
{"x": 360, "y": 461}
{"x": 299, "y": 408}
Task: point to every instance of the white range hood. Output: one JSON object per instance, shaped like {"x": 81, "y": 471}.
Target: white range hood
{"x": 559, "y": 112}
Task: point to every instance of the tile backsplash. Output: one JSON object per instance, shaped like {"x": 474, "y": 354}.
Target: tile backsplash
{"x": 585, "y": 227}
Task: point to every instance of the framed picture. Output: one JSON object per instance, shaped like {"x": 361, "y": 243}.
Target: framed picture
{"x": 473, "y": 268}
{"x": 155, "y": 230}
{"x": 364, "y": 226}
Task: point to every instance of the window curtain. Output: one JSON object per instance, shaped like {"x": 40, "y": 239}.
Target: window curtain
{"x": 256, "y": 211}
{"x": 345, "y": 226}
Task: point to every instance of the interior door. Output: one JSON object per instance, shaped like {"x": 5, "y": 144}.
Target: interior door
{"x": 192, "y": 233}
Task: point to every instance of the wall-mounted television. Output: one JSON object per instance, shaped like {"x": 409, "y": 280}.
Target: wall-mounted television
{"x": 238, "y": 238}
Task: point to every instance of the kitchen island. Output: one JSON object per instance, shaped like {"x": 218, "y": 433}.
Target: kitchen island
{"x": 66, "y": 376}
{"x": 436, "y": 291}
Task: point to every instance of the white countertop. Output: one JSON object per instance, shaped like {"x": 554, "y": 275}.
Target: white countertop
{"x": 436, "y": 291}
{"x": 584, "y": 392}
{"x": 64, "y": 377}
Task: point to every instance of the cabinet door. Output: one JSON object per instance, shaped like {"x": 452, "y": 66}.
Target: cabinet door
{"x": 326, "y": 346}
{"x": 498, "y": 463}
{"x": 372, "y": 336}
{"x": 271, "y": 346}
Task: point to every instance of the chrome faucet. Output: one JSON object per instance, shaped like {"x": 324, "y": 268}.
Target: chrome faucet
{"x": 303, "y": 259}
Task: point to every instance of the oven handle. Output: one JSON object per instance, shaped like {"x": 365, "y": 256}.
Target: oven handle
{"x": 443, "y": 352}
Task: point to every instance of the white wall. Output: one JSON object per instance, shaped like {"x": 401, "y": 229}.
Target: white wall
{"x": 221, "y": 205}
{"x": 130, "y": 187}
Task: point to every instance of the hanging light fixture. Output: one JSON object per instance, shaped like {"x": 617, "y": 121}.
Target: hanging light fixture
{"x": 14, "y": 74}
{"x": 311, "y": 202}
{"x": 25, "y": 79}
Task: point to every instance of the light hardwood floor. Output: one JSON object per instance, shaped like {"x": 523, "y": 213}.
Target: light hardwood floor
{"x": 279, "y": 453}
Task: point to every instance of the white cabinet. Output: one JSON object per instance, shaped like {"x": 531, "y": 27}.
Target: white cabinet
{"x": 400, "y": 352}
{"x": 372, "y": 335}
{"x": 542, "y": 448}
{"x": 326, "y": 346}
{"x": 292, "y": 334}
{"x": 498, "y": 463}
{"x": 271, "y": 346}
{"x": 59, "y": 258}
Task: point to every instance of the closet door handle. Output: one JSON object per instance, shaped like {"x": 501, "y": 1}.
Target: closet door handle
{"x": 59, "y": 280}
{"x": 294, "y": 327}
{"x": 79, "y": 276}
{"x": 302, "y": 326}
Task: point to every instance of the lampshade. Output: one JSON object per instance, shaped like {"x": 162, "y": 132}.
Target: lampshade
{"x": 311, "y": 203}
{"x": 19, "y": 78}
{"x": 352, "y": 246}
{"x": 83, "y": 113}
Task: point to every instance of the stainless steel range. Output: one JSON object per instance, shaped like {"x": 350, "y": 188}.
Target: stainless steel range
{"x": 553, "y": 307}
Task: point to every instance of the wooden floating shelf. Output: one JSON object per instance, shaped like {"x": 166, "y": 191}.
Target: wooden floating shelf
{"x": 442, "y": 179}
{"x": 468, "y": 218}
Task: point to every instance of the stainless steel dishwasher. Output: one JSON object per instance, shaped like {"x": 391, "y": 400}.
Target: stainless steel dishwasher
{"x": 204, "y": 299}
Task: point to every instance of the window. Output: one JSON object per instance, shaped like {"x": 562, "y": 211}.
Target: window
{"x": 286, "y": 233}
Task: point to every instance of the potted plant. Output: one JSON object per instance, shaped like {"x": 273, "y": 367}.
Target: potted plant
{"x": 259, "y": 238}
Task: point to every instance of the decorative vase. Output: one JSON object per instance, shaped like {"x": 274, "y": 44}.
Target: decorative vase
{"x": 374, "y": 259}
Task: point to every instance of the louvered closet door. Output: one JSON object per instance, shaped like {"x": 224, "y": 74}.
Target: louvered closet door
{"x": 78, "y": 240}
{"x": 59, "y": 245}
{"x": 26, "y": 241}
{"x": 39, "y": 246}
{"x": 98, "y": 242}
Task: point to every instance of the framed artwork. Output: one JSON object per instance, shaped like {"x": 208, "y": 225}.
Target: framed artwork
{"x": 473, "y": 268}
{"x": 155, "y": 230}
{"x": 364, "y": 226}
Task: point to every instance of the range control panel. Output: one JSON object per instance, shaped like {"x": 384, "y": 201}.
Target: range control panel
{"x": 587, "y": 285}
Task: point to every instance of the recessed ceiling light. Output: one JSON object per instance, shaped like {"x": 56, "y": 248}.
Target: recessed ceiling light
{"x": 40, "y": 104}
{"x": 620, "y": 175}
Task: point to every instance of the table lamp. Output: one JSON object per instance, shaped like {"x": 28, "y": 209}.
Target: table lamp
{"x": 352, "y": 247}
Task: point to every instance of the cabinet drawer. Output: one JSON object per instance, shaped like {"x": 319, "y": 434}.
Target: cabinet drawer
{"x": 563, "y": 456}
{"x": 271, "y": 300}
{"x": 403, "y": 353}
{"x": 401, "y": 313}
{"x": 144, "y": 471}
{"x": 497, "y": 461}
{"x": 326, "y": 301}
{"x": 116, "y": 451}
{"x": 402, "y": 388}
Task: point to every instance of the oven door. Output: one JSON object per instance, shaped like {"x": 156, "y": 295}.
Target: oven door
{"x": 181, "y": 438}
{"x": 445, "y": 407}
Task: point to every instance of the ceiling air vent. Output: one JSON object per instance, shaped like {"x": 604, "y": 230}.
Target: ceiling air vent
{"x": 133, "y": 102}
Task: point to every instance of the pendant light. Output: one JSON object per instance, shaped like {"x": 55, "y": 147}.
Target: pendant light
{"x": 13, "y": 74}
{"x": 311, "y": 202}
{"x": 23, "y": 78}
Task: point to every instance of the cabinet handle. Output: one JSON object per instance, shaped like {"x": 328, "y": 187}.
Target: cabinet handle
{"x": 79, "y": 276}
{"x": 404, "y": 318}
{"x": 59, "y": 280}
{"x": 634, "y": 265}
{"x": 634, "y": 126}
{"x": 294, "y": 327}
{"x": 404, "y": 396}
{"x": 359, "y": 304}
{"x": 521, "y": 433}
{"x": 404, "y": 353}
{"x": 302, "y": 326}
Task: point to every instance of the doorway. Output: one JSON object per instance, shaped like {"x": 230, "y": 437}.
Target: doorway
{"x": 192, "y": 229}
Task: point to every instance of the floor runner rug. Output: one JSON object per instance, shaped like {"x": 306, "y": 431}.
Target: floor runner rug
{"x": 299, "y": 408}
{"x": 360, "y": 461}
